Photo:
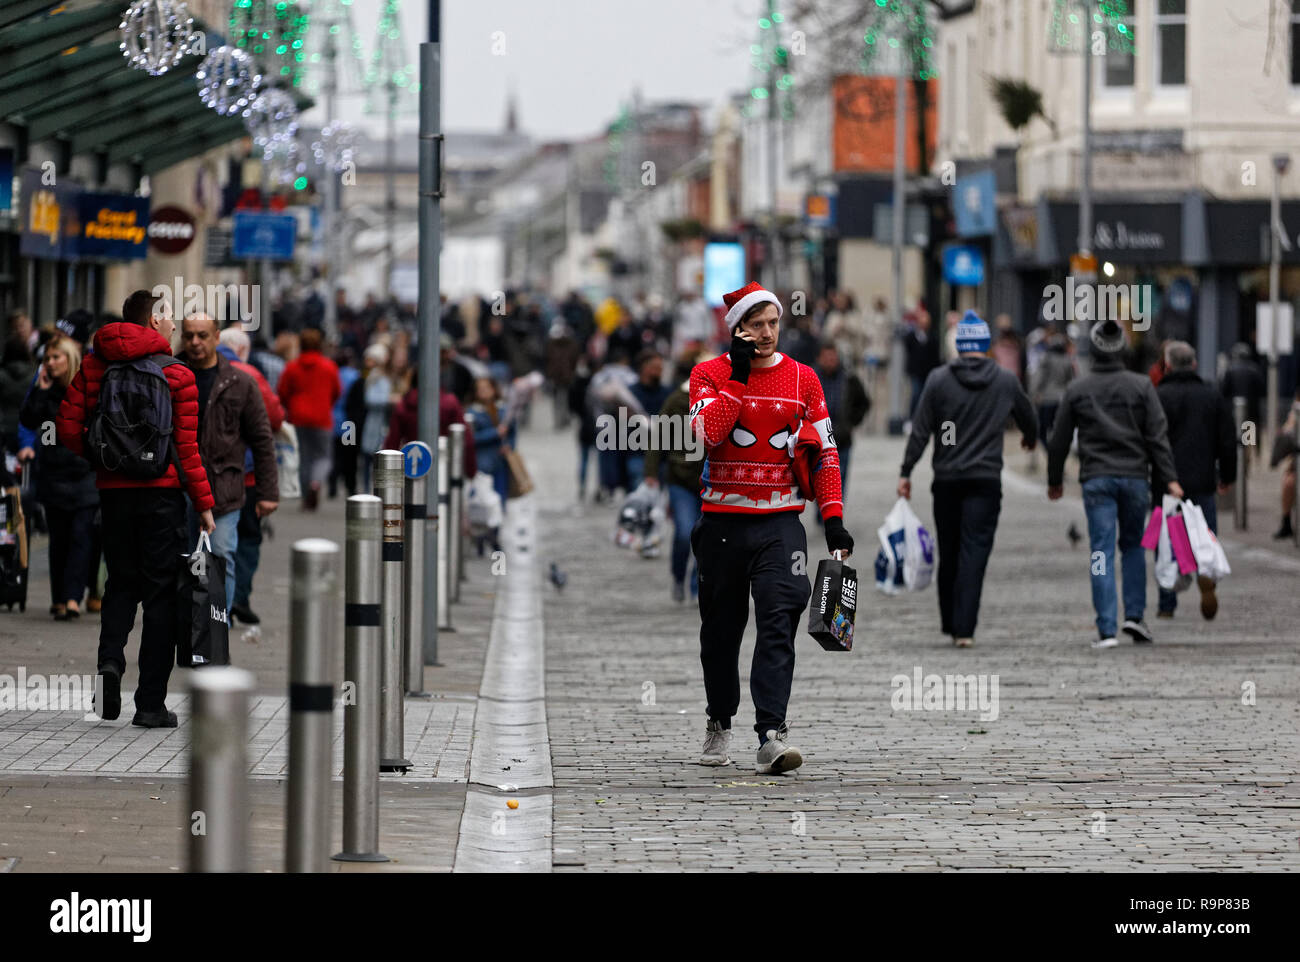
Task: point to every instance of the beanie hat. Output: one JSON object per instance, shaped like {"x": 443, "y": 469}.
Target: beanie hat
{"x": 77, "y": 325}
{"x": 973, "y": 334}
{"x": 740, "y": 302}
{"x": 1107, "y": 337}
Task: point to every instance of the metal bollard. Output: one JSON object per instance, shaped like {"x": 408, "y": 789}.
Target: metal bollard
{"x": 444, "y": 538}
{"x": 417, "y": 511}
{"x": 218, "y": 820}
{"x": 313, "y": 648}
{"x": 389, "y": 481}
{"x": 456, "y": 507}
{"x": 1239, "y": 507}
{"x": 361, "y": 640}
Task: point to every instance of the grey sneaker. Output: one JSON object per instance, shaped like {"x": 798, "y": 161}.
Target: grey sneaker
{"x": 716, "y": 742}
{"x": 1138, "y": 631}
{"x": 776, "y": 755}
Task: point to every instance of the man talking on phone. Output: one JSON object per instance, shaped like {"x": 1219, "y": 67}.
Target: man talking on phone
{"x": 748, "y": 407}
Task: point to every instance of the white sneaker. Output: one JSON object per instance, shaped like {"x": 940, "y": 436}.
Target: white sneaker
{"x": 776, "y": 755}
{"x": 716, "y": 742}
{"x": 1105, "y": 643}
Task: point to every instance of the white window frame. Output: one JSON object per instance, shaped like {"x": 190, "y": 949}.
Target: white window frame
{"x": 1171, "y": 19}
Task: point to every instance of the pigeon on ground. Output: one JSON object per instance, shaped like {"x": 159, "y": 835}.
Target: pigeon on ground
{"x": 558, "y": 577}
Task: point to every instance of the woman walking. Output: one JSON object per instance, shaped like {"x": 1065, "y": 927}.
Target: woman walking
{"x": 376, "y": 387}
{"x": 65, "y": 483}
{"x": 491, "y": 434}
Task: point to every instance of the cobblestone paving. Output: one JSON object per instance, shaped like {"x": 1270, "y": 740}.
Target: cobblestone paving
{"x": 80, "y": 795}
{"x": 1130, "y": 759}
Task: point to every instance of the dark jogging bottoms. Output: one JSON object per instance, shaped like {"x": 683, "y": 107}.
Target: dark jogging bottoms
{"x": 740, "y": 555}
{"x": 965, "y": 521}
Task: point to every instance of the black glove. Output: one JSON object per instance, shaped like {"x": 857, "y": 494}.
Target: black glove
{"x": 837, "y": 539}
{"x": 742, "y": 353}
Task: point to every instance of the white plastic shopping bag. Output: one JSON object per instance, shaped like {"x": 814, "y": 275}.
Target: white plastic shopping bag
{"x": 1211, "y": 562}
{"x": 1167, "y": 574}
{"x": 483, "y": 505}
{"x": 286, "y": 462}
{"x": 906, "y": 556}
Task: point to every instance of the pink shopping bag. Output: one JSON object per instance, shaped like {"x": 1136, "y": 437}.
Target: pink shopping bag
{"x": 1151, "y": 537}
{"x": 1181, "y": 544}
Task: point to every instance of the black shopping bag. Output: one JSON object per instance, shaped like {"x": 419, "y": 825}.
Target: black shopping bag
{"x": 202, "y": 618}
{"x": 834, "y": 605}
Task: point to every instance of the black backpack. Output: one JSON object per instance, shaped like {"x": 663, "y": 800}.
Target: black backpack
{"x": 130, "y": 430}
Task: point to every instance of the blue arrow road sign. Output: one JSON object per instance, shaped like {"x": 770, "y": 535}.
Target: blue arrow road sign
{"x": 416, "y": 459}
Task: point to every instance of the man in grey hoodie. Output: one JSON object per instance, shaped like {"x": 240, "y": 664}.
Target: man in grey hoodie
{"x": 966, "y": 404}
{"x": 1123, "y": 434}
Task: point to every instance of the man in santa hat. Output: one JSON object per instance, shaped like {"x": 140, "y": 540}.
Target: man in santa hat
{"x": 750, "y": 406}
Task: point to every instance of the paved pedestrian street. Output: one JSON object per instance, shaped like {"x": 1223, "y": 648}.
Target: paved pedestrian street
{"x": 584, "y": 706}
{"x": 1129, "y": 759}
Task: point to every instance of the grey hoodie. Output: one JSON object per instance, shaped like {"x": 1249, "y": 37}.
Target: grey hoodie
{"x": 966, "y": 404}
{"x": 1122, "y": 427}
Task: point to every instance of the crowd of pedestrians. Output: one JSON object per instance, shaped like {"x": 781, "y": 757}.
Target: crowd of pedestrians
{"x": 234, "y": 400}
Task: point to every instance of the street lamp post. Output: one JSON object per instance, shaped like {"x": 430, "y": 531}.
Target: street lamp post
{"x": 897, "y": 359}
{"x": 1280, "y": 164}
{"x": 429, "y": 305}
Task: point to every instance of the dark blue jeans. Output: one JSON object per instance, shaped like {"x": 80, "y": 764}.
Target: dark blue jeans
{"x": 1206, "y": 502}
{"x": 684, "y": 503}
{"x": 1116, "y": 504}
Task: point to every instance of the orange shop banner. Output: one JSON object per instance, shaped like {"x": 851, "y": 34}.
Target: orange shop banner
{"x": 863, "y": 132}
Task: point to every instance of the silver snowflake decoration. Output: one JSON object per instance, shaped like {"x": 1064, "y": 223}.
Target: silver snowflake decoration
{"x": 156, "y": 34}
{"x": 337, "y": 145}
{"x": 228, "y": 80}
{"x": 284, "y": 161}
{"x": 271, "y": 118}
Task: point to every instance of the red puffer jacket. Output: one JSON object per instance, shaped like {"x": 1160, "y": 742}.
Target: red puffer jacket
{"x": 126, "y": 342}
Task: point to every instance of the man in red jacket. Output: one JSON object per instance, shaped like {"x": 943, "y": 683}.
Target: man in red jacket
{"x": 308, "y": 389}
{"x": 749, "y": 406}
{"x": 143, "y": 522}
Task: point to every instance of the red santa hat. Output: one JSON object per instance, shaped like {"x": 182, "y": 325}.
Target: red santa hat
{"x": 740, "y": 302}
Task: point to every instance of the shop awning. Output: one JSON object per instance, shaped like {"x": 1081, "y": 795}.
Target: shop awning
{"x": 63, "y": 76}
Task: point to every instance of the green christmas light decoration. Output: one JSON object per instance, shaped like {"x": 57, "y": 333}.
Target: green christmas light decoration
{"x": 1066, "y": 28}
{"x": 895, "y": 23}
{"x": 614, "y": 138}
{"x": 332, "y": 20}
{"x": 387, "y": 60}
{"x": 769, "y": 55}
{"x": 274, "y": 32}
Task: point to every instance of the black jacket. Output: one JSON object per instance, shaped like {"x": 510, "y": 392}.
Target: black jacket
{"x": 965, "y": 404}
{"x": 847, "y": 402}
{"x": 922, "y": 354}
{"x": 1123, "y": 432}
{"x": 63, "y": 480}
{"x": 1201, "y": 433}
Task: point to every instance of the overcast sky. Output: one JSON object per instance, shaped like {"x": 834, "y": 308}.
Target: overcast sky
{"x": 570, "y": 63}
